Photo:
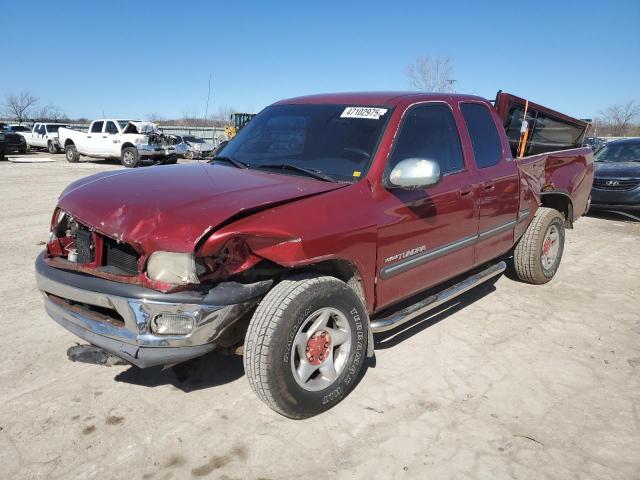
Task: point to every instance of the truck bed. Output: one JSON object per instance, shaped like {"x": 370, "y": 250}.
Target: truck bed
{"x": 565, "y": 172}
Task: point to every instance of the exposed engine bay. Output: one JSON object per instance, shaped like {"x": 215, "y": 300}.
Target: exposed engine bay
{"x": 151, "y": 130}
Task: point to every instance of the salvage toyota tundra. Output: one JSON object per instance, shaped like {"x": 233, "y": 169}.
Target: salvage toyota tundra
{"x": 327, "y": 219}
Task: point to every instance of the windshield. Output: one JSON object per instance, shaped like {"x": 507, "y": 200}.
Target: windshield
{"x": 336, "y": 140}
{"x": 625, "y": 151}
{"x": 193, "y": 139}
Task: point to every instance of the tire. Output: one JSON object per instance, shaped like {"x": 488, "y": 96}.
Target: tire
{"x": 281, "y": 326}
{"x": 130, "y": 157}
{"x": 51, "y": 148}
{"x": 173, "y": 159}
{"x": 189, "y": 155}
{"x": 544, "y": 234}
{"x": 71, "y": 153}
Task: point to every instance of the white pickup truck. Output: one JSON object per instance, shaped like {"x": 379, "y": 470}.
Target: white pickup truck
{"x": 44, "y": 135}
{"x": 132, "y": 142}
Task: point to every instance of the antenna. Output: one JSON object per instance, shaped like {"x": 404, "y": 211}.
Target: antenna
{"x": 206, "y": 110}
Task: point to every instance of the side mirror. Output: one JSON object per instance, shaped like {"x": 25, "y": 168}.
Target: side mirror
{"x": 415, "y": 174}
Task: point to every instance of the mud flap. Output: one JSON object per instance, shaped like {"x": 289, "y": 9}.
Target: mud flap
{"x": 370, "y": 351}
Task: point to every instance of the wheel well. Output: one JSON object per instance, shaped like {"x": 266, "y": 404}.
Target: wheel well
{"x": 68, "y": 142}
{"x": 561, "y": 202}
{"x": 343, "y": 270}
{"x": 128, "y": 144}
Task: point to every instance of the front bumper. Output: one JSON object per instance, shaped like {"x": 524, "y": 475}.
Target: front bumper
{"x": 146, "y": 150}
{"x": 15, "y": 147}
{"x": 116, "y": 317}
{"x": 615, "y": 199}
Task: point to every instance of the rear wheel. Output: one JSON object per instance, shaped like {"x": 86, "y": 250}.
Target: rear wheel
{"x": 538, "y": 253}
{"x": 130, "y": 157}
{"x": 305, "y": 345}
{"x": 71, "y": 153}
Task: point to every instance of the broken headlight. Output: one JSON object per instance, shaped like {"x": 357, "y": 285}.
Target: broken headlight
{"x": 173, "y": 268}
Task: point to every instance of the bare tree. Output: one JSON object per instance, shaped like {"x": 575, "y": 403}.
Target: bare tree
{"x": 432, "y": 74}
{"x": 49, "y": 112}
{"x": 154, "y": 117}
{"x": 223, "y": 115}
{"x": 19, "y": 106}
{"x": 620, "y": 116}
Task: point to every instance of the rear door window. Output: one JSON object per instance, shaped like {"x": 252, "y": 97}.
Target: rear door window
{"x": 111, "y": 128}
{"x": 487, "y": 149}
{"x": 429, "y": 132}
{"x": 96, "y": 127}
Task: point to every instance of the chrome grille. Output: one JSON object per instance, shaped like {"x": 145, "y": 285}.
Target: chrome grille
{"x": 615, "y": 183}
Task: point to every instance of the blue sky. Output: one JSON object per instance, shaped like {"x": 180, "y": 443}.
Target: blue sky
{"x": 136, "y": 58}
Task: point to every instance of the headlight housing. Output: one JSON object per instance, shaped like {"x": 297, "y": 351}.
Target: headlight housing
{"x": 171, "y": 267}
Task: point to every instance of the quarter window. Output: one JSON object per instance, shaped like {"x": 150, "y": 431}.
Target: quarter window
{"x": 484, "y": 136}
{"x": 429, "y": 132}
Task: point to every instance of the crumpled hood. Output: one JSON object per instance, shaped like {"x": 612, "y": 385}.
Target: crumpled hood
{"x": 172, "y": 207}
{"x": 141, "y": 128}
{"x": 617, "y": 169}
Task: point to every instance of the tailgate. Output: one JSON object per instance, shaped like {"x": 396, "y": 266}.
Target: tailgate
{"x": 548, "y": 130}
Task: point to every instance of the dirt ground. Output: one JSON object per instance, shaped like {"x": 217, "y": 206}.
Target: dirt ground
{"x": 512, "y": 381}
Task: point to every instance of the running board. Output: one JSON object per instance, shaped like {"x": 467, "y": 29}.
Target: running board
{"x": 409, "y": 313}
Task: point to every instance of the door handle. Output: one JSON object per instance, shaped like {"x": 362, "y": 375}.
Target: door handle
{"x": 466, "y": 191}
{"x": 104, "y": 136}
{"x": 488, "y": 186}
{"x": 88, "y": 136}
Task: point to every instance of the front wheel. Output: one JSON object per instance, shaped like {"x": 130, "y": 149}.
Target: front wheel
{"x": 71, "y": 153}
{"x": 130, "y": 157}
{"x": 306, "y": 345}
{"x": 52, "y": 148}
{"x": 537, "y": 255}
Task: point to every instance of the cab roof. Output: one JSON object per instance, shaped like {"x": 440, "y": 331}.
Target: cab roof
{"x": 388, "y": 99}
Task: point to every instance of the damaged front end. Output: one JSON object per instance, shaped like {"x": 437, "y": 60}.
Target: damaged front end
{"x": 154, "y": 268}
{"x": 153, "y": 310}
{"x": 151, "y": 142}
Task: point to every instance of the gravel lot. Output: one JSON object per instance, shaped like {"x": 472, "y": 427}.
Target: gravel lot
{"x": 512, "y": 381}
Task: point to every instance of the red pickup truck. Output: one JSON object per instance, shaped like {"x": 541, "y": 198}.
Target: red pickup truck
{"x": 325, "y": 220}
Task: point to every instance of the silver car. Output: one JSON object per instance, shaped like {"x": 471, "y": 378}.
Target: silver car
{"x": 193, "y": 147}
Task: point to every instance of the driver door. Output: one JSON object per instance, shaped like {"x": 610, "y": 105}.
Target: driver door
{"x": 109, "y": 141}
{"x": 428, "y": 235}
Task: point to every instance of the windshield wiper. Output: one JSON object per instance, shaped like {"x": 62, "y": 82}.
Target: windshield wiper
{"x": 307, "y": 171}
{"x": 232, "y": 161}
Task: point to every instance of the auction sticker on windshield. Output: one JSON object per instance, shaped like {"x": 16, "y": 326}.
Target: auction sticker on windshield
{"x": 363, "y": 112}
